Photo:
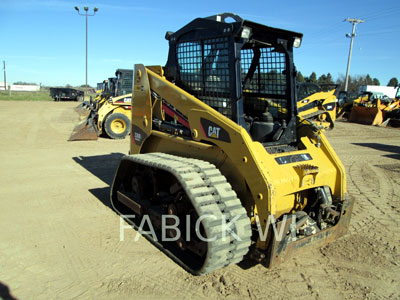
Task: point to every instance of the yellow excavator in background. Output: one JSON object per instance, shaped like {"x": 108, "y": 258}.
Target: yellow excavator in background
{"x": 109, "y": 113}
{"x": 221, "y": 166}
{"x": 317, "y": 105}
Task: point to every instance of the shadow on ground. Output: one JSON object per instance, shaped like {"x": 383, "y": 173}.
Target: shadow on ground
{"x": 104, "y": 168}
{"x": 383, "y": 147}
{"x": 5, "y": 292}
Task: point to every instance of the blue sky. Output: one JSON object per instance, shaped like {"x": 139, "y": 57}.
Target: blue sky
{"x": 43, "y": 41}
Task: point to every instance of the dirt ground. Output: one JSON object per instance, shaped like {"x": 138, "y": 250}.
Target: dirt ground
{"x": 60, "y": 239}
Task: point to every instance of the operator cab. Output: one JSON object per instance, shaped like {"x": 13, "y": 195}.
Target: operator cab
{"x": 124, "y": 81}
{"x": 242, "y": 69}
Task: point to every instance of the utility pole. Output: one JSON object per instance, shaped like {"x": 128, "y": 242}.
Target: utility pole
{"x": 353, "y": 34}
{"x": 5, "y": 78}
{"x": 86, "y": 15}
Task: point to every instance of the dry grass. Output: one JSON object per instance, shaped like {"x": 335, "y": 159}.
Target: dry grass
{"x": 26, "y": 96}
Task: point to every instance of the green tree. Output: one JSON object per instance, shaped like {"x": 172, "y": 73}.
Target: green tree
{"x": 321, "y": 79}
{"x": 353, "y": 83}
{"x": 375, "y": 81}
{"x": 329, "y": 79}
{"x": 326, "y": 82}
{"x": 312, "y": 78}
{"x": 368, "y": 80}
{"x": 24, "y": 83}
{"x": 393, "y": 82}
{"x": 299, "y": 77}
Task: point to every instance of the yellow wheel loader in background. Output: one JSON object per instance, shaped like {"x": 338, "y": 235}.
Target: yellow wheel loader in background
{"x": 371, "y": 108}
{"x": 110, "y": 112}
{"x": 393, "y": 117}
{"x": 221, "y": 167}
{"x": 316, "y": 104}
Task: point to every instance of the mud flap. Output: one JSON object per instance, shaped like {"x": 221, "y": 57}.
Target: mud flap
{"x": 279, "y": 251}
{"x": 85, "y": 131}
{"x": 366, "y": 115}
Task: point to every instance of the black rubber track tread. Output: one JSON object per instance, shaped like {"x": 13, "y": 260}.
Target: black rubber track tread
{"x": 209, "y": 193}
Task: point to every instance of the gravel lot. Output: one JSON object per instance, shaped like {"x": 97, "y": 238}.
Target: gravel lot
{"x": 59, "y": 237}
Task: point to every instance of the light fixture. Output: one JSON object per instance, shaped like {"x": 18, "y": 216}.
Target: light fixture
{"x": 297, "y": 42}
{"x": 246, "y": 31}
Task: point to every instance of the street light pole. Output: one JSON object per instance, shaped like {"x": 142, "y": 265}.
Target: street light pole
{"x": 353, "y": 34}
{"x": 5, "y": 78}
{"x": 86, "y": 54}
{"x": 86, "y": 15}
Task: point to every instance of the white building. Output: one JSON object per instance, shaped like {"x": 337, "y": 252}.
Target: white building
{"x": 20, "y": 87}
{"x": 386, "y": 90}
{"x": 25, "y": 88}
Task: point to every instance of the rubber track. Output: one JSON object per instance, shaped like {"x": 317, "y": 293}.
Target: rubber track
{"x": 210, "y": 194}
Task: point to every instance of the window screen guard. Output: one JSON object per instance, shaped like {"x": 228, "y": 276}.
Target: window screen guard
{"x": 204, "y": 72}
{"x": 264, "y": 82}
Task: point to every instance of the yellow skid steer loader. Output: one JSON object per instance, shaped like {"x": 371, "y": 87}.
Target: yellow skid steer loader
{"x": 112, "y": 117}
{"x": 110, "y": 112}
{"x": 221, "y": 167}
{"x": 317, "y": 105}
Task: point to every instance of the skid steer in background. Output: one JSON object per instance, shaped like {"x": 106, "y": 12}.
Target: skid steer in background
{"x": 316, "y": 104}
{"x": 345, "y": 104}
{"x": 218, "y": 151}
{"x": 110, "y": 114}
{"x": 83, "y": 109}
{"x": 113, "y": 87}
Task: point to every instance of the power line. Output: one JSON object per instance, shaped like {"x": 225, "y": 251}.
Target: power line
{"x": 369, "y": 33}
{"x": 381, "y": 13}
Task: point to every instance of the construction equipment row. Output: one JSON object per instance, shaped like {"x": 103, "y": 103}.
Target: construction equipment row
{"x": 109, "y": 113}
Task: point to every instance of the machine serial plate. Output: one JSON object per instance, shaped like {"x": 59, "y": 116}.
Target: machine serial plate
{"x": 293, "y": 158}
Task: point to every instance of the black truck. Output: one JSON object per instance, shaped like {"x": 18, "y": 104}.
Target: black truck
{"x": 59, "y": 94}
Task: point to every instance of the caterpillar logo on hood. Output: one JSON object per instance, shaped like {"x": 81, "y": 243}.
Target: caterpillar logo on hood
{"x": 214, "y": 131}
{"x": 124, "y": 100}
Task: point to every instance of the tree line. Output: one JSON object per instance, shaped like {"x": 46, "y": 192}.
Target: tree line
{"x": 354, "y": 81}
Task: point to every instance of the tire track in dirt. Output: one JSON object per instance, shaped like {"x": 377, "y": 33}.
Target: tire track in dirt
{"x": 369, "y": 186}
{"x": 359, "y": 256}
